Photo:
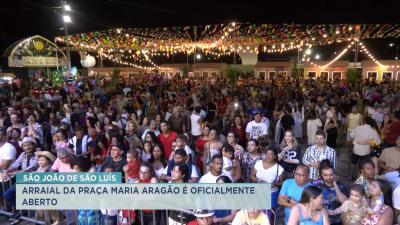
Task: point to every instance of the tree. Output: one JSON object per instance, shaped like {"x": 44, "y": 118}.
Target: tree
{"x": 353, "y": 75}
{"x": 112, "y": 85}
{"x": 231, "y": 73}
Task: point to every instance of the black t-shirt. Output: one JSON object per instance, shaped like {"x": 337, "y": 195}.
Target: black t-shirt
{"x": 115, "y": 165}
{"x": 287, "y": 122}
{"x": 291, "y": 154}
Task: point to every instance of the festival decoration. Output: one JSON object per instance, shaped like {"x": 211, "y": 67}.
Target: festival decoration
{"x": 88, "y": 61}
{"x": 218, "y": 39}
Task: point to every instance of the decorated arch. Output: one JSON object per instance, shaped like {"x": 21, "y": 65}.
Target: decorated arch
{"x": 35, "y": 51}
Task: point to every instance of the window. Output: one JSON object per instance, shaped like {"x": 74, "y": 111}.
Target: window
{"x": 271, "y": 74}
{"x": 387, "y": 75}
{"x": 372, "y": 75}
{"x": 336, "y": 75}
{"x": 261, "y": 75}
{"x": 205, "y": 74}
{"x": 282, "y": 74}
{"x": 178, "y": 74}
{"x": 398, "y": 76}
{"x": 312, "y": 75}
{"x": 214, "y": 73}
{"x": 325, "y": 75}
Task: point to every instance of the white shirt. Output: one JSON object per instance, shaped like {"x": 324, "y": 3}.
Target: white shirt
{"x": 255, "y": 130}
{"x": 7, "y": 152}
{"x": 396, "y": 198}
{"x": 208, "y": 178}
{"x": 393, "y": 178}
{"x": 196, "y": 128}
{"x": 364, "y": 133}
{"x": 227, "y": 164}
{"x": 269, "y": 175}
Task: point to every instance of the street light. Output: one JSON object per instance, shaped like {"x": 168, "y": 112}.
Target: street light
{"x": 391, "y": 44}
{"x": 67, "y": 19}
{"x": 198, "y": 56}
{"x": 308, "y": 51}
{"x": 317, "y": 56}
{"x": 67, "y": 8}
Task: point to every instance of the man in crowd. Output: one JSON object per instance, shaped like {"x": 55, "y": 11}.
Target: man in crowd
{"x": 394, "y": 130}
{"x": 216, "y": 171}
{"x": 80, "y": 142}
{"x": 167, "y": 138}
{"x": 318, "y": 152}
{"x": 177, "y": 121}
{"x": 7, "y": 150}
{"x": 292, "y": 189}
{"x": 334, "y": 193}
{"x": 390, "y": 158}
{"x": 362, "y": 137}
{"x": 180, "y": 155}
{"x": 203, "y": 217}
{"x": 255, "y": 129}
{"x": 116, "y": 163}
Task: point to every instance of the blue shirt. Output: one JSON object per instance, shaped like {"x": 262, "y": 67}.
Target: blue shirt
{"x": 291, "y": 189}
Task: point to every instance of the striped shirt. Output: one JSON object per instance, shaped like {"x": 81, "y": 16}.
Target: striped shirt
{"x": 313, "y": 154}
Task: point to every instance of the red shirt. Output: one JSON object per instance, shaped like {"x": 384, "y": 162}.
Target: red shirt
{"x": 200, "y": 144}
{"x": 393, "y": 133}
{"x": 166, "y": 142}
{"x": 134, "y": 168}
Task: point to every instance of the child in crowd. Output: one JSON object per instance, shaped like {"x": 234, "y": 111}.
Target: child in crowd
{"x": 181, "y": 143}
{"x": 355, "y": 208}
{"x": 131, "y": 169}
{"x": 99, "y": 152}
{"x": 227, "y": 153}
{"x": 146, "y": 153}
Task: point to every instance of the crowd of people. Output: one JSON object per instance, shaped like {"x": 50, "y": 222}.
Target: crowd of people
{"x": 213, "y": 131}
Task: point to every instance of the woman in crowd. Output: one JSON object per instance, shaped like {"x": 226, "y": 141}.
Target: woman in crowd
{"x": 290, "y": 153}
{"x": 367, "y": 170}
{"x": 158, "y": 160}
{"x": 309, "y": 210}
{"x": 211, "y": 148}
{"x": 381, "y": 200}
{"x": 269, "y": 171}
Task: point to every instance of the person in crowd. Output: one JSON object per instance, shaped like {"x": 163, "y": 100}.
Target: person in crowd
{"x": 131, "y": 169}
{"x": 33, "y": 129}
{"x": 15, "y": 139}
{"x": 353, "y": 120}
{"x": 239, "y": 129}
{"x": 292, "y": 189}
{"x": 7, "y": 151}
{"x": 63, "y": 161}
{"x": 27, "y": 159}
{"x": 203, "y": 217}
{"x": 355, "y": 208}
{"x": 250, "y": 158}
{"x": 334, "y": 193}
{"x": 158, "y": 160}
{"x": 211, "y": 148}
{"x": 390, "y": 158}
{"x": 363, "y": 136}
{"x": 167, "y": 137}
{"x": 367, "y": 171}
{"x": 331, "y": 129}
{"x": 80, "y": 142}
{"x": 116, "y": 162}
{"x": 381, "y": 202}
{"x": 394, "y": 130}
{"x": 269, "y": 171}
{"x": 255, "y": 129}
{"x": 252, "y": 216}
{"x": 290, "y": 153}
{"x": 318, "y": 152}
{"x": 180, "y": 156}
{"x": 177, "y": 122}
{"x": 195, "y": 123}
{"x": 152, "y": 128}
{"x": 313, "y": 125}
{"x": 309, "y": 210}
{"x": 215, "y": 171}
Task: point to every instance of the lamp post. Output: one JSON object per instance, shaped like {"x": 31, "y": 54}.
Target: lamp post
{"x": 67, "y": 19}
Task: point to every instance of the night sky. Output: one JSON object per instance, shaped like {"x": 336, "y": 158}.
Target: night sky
{"x": 23, "y": 18}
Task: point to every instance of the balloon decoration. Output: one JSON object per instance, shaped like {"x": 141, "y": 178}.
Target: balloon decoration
{"x": 88, "y": 61}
